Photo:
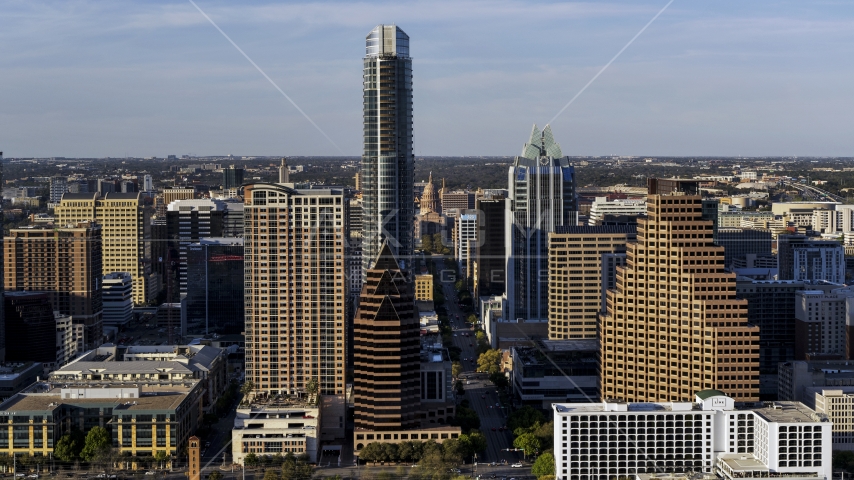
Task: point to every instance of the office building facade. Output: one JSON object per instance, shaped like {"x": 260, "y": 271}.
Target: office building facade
{"x": 712, "y": 435}
{"x": 489, "y": 252}
{"x": 66, "y": 264}
{"x": 387, "y": 173}
{"x": 541, "y": 198}
{"x": 575, "y": 276}
{"x": 215, "y": 293}
{"x": 232, "y": 177}
{"x": 30, "y": 327}
{"x": 386, "y": 350}
{"x": 673, "y": 325}
{"x": 125, "y": 233}
{"x": 117, "y": 295}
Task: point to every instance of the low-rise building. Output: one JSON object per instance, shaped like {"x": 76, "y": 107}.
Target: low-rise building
{"x": 838, "y": 404}
{"x": 424, "y": 287}
{"x": 153, "y": 365}
{"x": 15, "y": 376}
{"x": 555, "y": 371}
{"x": 798, "y": 376}
{"x": 141, "y": 419}
{"x": 276, "y": 425}
{"x": 711, "y": 435}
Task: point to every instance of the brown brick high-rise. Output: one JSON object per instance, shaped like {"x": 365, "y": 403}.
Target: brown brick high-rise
{"x": 673, "y": 325}
{"x": 386, "y": 350}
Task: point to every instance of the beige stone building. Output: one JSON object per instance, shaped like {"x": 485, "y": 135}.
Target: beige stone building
{"x": 178, "y": 193}
{"x": 424, "y": 287}
{"x": 673, "y": 325}
{"x": 575, "y": 276}
{"x": 65, "y": 263}
{"x": 125, "y": 233}
{"x": 295, "y": 288}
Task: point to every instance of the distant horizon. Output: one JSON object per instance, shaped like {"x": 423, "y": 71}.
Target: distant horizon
{"x": 246, "y": 158}
{"x": 709, "y": 79}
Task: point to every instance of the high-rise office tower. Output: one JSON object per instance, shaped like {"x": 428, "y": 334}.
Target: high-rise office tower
{"x": 125, "y": 233}
{"x": 673, "y": 325}
{"x": 386, "y": 350}
{"x": 295, "y": 290}
{"x": 541, "y": 197}
{"x": 387, "y": 174}
{"x": 65, "y": 263}
{"x": 188, "y": 221}
{"x": 489, "y": 254}
{"x": 215, "y": 292}
{"x": 576, "y": 276}
{"x": 232, "y": 177}
{"x": 148, "y": 183}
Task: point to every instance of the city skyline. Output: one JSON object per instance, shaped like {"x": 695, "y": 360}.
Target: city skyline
{"x": 87, "y": 79}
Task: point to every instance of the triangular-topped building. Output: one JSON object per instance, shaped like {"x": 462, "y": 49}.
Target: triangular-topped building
{"x": 387, "y": 350}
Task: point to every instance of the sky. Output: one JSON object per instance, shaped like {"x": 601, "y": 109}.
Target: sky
{"x": 94, "y": 78}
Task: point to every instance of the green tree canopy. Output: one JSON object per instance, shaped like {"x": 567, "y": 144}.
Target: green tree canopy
{"x": 489, "y": 361}
{"x": 526, "y": 417}
{"x": 250, "y": 460}
{"x": 311, "y": 386}
{"x": 215, "y": 475}
{"x": 426, "y": 243}
{"x": 545, "y": 465}
{"x": 527, "y": 442}
{"x": 271, "y": 474}
{"x": 456, "y": 369}
{"x": 69, "y": 446}
{"x": 97, "y": 443}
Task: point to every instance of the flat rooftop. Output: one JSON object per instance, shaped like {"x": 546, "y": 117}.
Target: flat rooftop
{"x": 161, "y": 397}
{"x": 789, "y": 412}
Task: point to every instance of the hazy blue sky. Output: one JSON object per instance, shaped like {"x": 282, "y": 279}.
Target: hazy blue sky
{"x": 110, "y": 78}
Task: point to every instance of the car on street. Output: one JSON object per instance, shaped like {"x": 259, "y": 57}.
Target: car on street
{"x": 20, "y": 475}
{"x": 152, "y": 472}
{"x": 35, "y": 475}
{"x": 516, "y": 465}
{"x": 493, "y": 429}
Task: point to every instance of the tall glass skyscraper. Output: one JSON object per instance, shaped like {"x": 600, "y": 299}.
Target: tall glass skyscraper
{"x": 541, "y": 197}
{"x": 387, "y": 160}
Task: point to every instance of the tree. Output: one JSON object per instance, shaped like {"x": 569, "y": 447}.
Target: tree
{"x": 390, "y": 453}
{"x": 456, "y": 369}
{"x": 489, "y": 361}
{"x": 545, "y": 465}
{"x": 161, "y": 456}
{"x": 250, "y": 460}
{"x": 406, "y": 452}
{"x": 472, "y": 318}
{"x": 426, "y": 243}
{"x": 97, "y": 443}
{"x": 480, "y": 336}
{"x": 69, "y": 446}
{"x": 371, "y": 452}
{"x": 311, "y": 386}
{"x": 527, "y": 442}
{"x": 499, "y": 380}
{"x": 215, "y": 475}
{"x": 472, "y": 443}
{"x": 466, "y": 419}
{"x": 524, "y": 418}
{"x": 271, "y": 474}
{"x": 247, "y": 387}
{"x": 453, "y": 451}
